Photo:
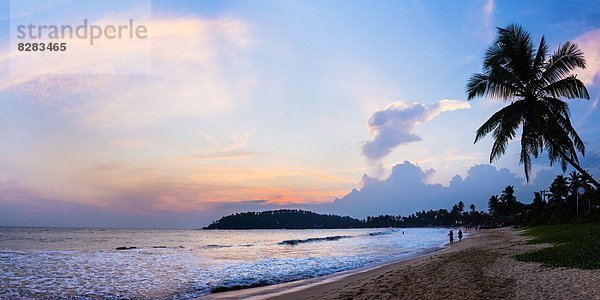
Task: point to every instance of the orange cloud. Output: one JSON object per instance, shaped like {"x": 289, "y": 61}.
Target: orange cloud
{"x": 146, "y": 190}
{"x": 220, "y": 155}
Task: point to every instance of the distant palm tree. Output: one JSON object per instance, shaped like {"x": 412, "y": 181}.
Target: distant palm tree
{"x": 559, "y": 189}
{"x": 472, "y": 207}
{"x": 534, "y": 83}
{"x": 493, "y": 205}
{"x": 575, "y": 181}
{"x": 460, "y": 206}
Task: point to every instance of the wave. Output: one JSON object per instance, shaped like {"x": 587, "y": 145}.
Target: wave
{"x": 215, "y": 246}
{"x": 310, "y": 240}
{"x": 240, "y": 286}
{"x": 125, "y": 248}
{"x": 379, "y": 233}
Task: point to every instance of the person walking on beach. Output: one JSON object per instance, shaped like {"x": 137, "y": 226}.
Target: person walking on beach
{"x": 460, "y": 235}
{"x": 451, "y": 235}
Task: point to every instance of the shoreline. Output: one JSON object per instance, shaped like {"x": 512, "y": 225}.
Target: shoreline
{"x": 482, "y": 266}
{"x": 286, "y": 288}
{"x": 315, "y": 291}
{"x": 273, "y": 290}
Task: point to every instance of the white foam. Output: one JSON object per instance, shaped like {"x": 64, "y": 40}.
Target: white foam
{"x": 74, "y": 268}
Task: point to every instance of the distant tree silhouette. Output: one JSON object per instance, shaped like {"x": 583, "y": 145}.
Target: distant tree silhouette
{"x": 493, "y": 205}
{"x": 561, "y": 203}
{"x": 472, "y": 207}
{"x": 301, "y": 219}
{"x": 283, "y": 219}
{"x": 505, "y": 205}
{"x": 511, "y": 205}
{"x": 559, "y": 189}
{"x": 461, "y": 206}
{"x": 538, "y": 203}
{"x": 575, "y": 181}
{"x": 534, "y": 84}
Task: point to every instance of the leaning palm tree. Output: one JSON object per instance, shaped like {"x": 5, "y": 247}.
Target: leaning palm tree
{"x": 535, "y": 83}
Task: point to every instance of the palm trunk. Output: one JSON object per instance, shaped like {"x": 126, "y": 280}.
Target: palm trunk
{"x": 575, "y": 165}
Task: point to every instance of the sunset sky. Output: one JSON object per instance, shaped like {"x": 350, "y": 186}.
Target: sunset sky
{"x": 253, "y": 105}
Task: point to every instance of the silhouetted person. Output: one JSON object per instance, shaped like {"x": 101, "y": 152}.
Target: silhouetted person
{"x": 460, "y": 235}
{"x": 451, "y": 235}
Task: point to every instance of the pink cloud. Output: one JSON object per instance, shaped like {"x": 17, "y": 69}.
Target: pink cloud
{"x": 589, "y": 43}
{"x": 199, "y": 67}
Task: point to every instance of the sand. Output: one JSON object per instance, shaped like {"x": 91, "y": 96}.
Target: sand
{"x": 480, "y": 267}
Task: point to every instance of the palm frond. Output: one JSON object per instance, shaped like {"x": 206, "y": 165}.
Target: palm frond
{"x": 517, "y": 47}
{"x": 559, "y": 134}
{"x": 525, "y": 158}
{"x": 556, "y": 105}
{"x": 489, "y": 126}
{"x": 506, "y": 129}
{"x": 559, "y": 113}
{"x": 497, "y": 118}
{"x": 495, "y": 55}
{"x": 480, "y": 85}
{"x": 569, "y": 87}
{"x": 540, "y": 58}
{"x": 564, "y": 60}
{"x": 532, "y": 142}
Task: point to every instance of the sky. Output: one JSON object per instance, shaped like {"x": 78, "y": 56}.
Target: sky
{"x": 348, "y": 107}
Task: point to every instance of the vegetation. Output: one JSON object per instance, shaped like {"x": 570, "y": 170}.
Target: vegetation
{"x": 438, "y": 218}
{"x": 283, "y": 219}
{"x": 575, "y": 245}
{"x": 300, "y": 219}
{"x": 564, "y": 204}
{"x": 505, "y": 205}
{"x": 535, "y": 84}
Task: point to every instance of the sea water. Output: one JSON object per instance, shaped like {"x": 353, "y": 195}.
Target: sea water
{"x": 183, "y": 264}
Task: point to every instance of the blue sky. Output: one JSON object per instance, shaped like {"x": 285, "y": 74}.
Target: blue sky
{"x": 265, "y": 104}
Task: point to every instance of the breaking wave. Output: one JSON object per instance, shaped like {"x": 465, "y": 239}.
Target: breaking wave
{"x": 311, "y": 240}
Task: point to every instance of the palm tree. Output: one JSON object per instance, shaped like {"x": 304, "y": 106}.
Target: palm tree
{"x": 534, "y": 84}
{"x": 559, "y": 189}
{"x": 575, "y": 181}
{"x": 509, "y": 202}
{"x": 538, "y": 203}
{"x": 472, "y": 207}
{"x": 461, "y": 206}
{"x": 493, "y": 205}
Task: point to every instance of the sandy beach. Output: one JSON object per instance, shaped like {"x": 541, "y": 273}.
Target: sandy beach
{"x": 480, "y": 267}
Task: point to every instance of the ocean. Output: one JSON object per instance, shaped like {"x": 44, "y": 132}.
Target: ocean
{"x": 183, "y": 264}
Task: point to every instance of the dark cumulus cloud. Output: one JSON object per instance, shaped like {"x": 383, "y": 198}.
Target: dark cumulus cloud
{"x": 406, "y": 190}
